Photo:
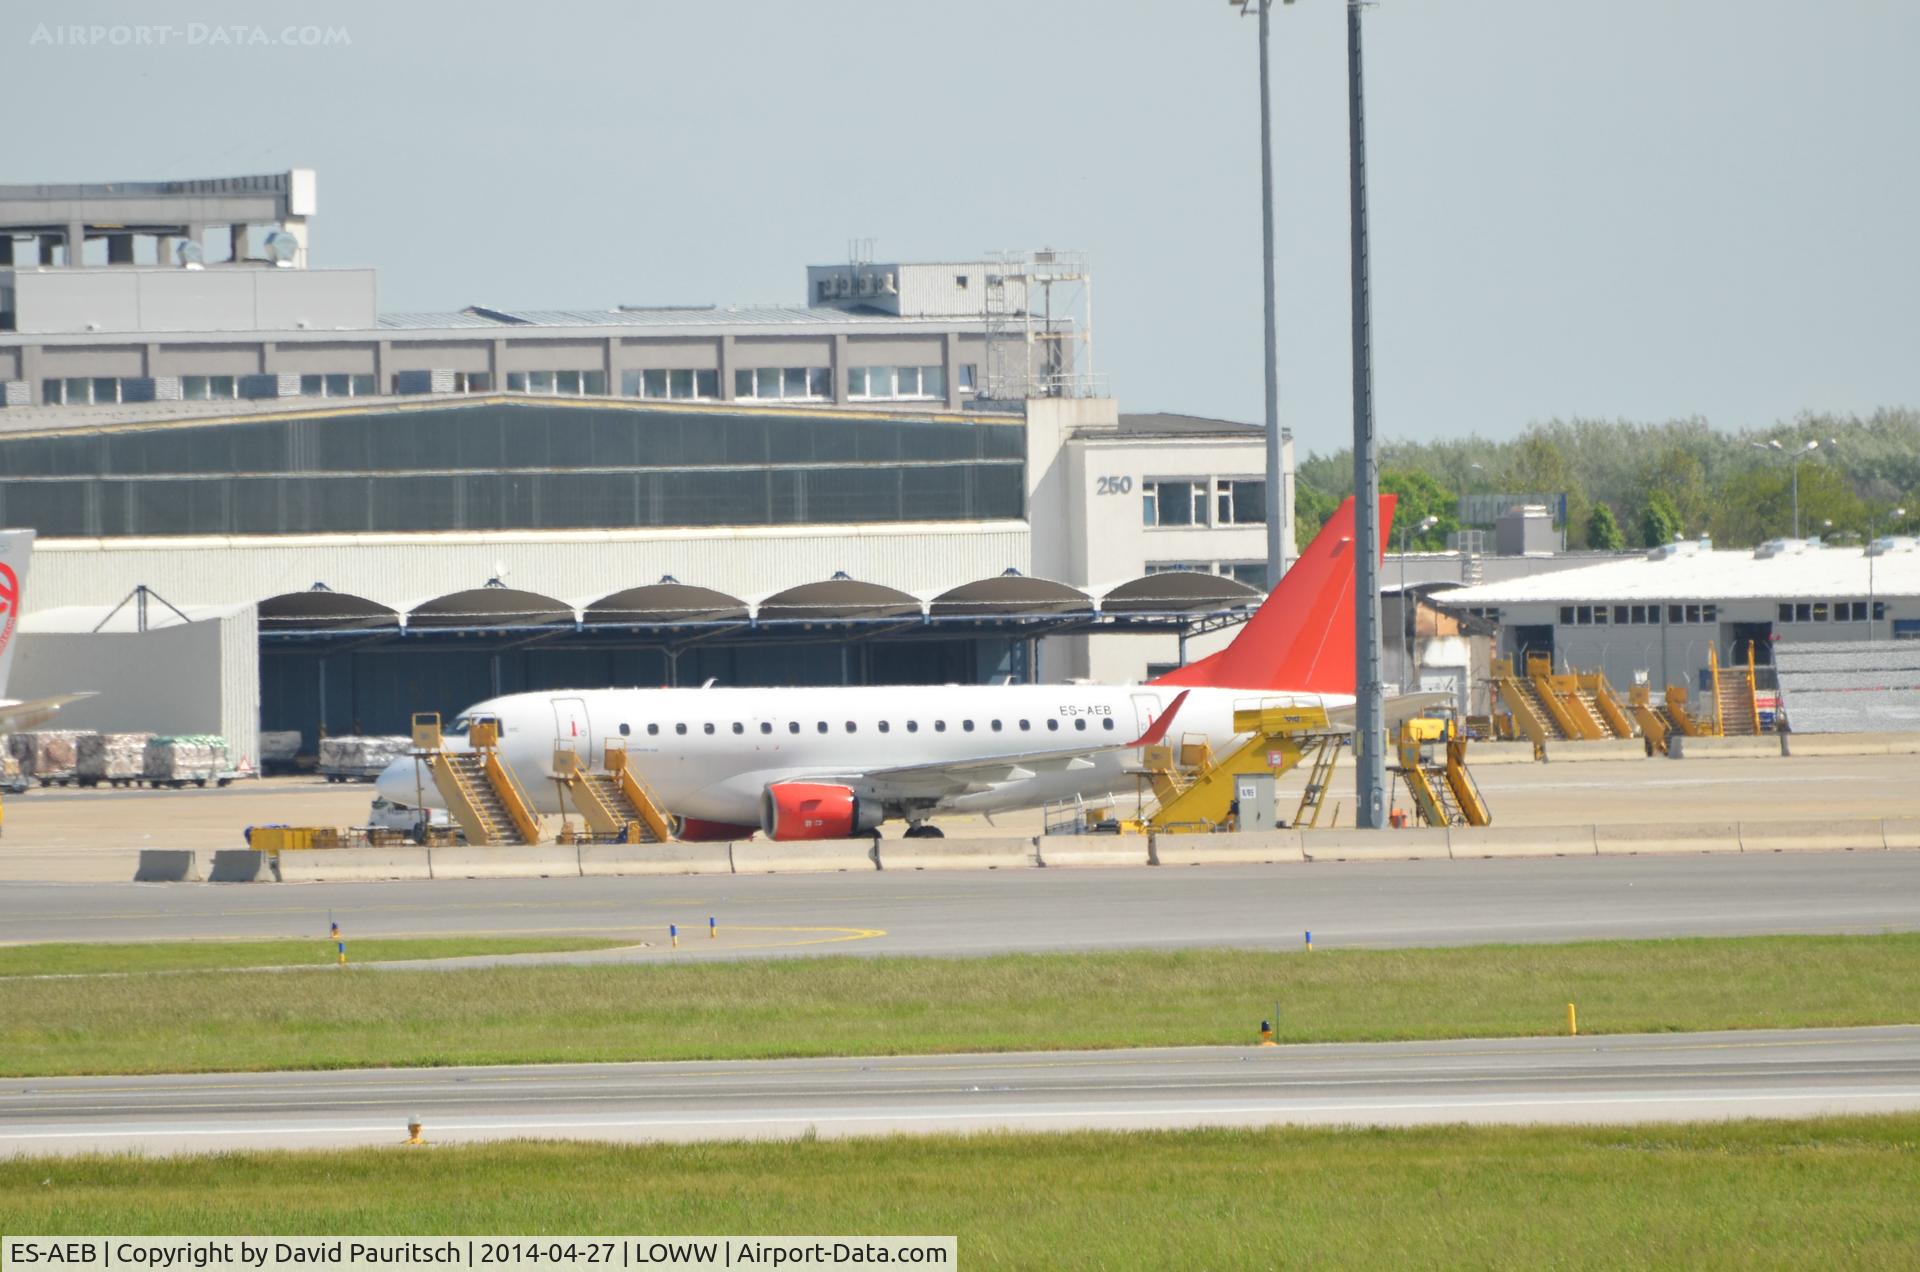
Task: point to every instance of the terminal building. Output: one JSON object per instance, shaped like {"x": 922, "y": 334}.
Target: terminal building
{"x": 913, "y": 474}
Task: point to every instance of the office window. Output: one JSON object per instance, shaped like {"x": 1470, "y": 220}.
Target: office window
{"x": 1859, "y": 611}
{"x": 969, "y": 377}
{"x": 1640, "y": 614}
{"x": 1803, "y": 612}
{"x": 1622, "y": 614}
{"x": 1583, "y": 615}
{"x": 1820, "y": 611}
{"x": 1786, "y": 613}
{"x": 1252, "y": 573}
{"x": 1600, "y": 613}
{"x": 1693, "y": 613}
{"x": 1174, "y": 503}
{"x": 1879, "y": 610}
{"x": 896, "y": 382}
{"x": 790, "y": 383}
{"x": 906, "y": 381}
{"x": 1566, "y": 616}
{"x": 1239, "y": 502}
{"x": 1178, "y": 567}
{"x": 1709, "y": 613}
{"x": 1676, "y": 614}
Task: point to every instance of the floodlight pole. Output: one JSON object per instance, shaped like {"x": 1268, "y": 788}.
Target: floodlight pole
{"x": 1276, "y": 475}
{"x": 1369, "y": 727}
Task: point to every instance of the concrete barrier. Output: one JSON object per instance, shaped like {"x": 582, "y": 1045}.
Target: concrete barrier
{"x": 655, "y": 859}
{"x": 354, "y": 865}
{"x": 803, "y": 856}
{"x": 1809, "y": 744}
{"x": 1521, "y": 841}
{"x": 521, "y": 861}
{"x": 1243, "y": 848}
{"x": 1479, "y": 753}
{"x": 1665, "y": 838}
{"x": 1812, "y": 836}
{"x": 958, "y": 854}
{"x": 1682, "y": 747}
{"x": 1587, "y": 752}
{"x": 1422, "y": 843}
{"x": 167, "y": 865}
{"x": 1094, "y": 850}
{"x": 1902, "y": 832}
{"x": 241, "y": 865}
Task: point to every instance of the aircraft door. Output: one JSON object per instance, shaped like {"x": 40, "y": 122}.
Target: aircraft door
{"x": 571, "y": 728}
{"x": 1146, "y": 709}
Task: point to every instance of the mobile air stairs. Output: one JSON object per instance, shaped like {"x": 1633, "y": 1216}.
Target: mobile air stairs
{"x": 615, "y": 804}
{"x": 481, "y": 793}
{"x": 1443, "y": 791}
{"x": 1547, "y": 707}
{"x": 1736, "y": 702}
{"x": 1193, "y": 791}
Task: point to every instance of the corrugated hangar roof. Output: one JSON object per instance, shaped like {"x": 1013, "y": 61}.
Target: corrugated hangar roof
{"x": 1850, "y": 686}
{"x": 1783, "y": 570}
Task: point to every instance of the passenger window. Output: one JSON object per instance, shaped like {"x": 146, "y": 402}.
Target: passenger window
{"x": 1107, "y": 724}
{"x": 821, "y": 726}
{"x": 739, "y": 727}
{"x": 852, "y": 727}
{"x": 939, "y": 726}
{"x": 653, "y": 730}
{"x": 1053, "y": 726}
{"x": 793, "y": 726}
{"x": 996, "y": 726}
{"x": 765, "y": 727}
{"x": 913, "y": 726}
{"x": 1081, "y": 724}
{"x": 679, "y": 728}
{"x": 967, "y": 725}
{"x": 624, "y": 730}
{"x": 707, "y": 727}
{"x": 884, "y": 726}
{"x": 1025, "y": 725}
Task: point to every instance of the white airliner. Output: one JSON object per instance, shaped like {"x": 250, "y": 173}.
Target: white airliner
{"x": 827, "y": 763}
{"x": 16, "y": 550}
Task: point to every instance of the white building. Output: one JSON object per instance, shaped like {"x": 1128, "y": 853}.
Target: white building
{"x": 1660, "y": 614}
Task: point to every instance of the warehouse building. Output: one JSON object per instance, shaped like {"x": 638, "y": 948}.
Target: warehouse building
{"x": 1657, "y": 616}
{"x": 911, "y": 476}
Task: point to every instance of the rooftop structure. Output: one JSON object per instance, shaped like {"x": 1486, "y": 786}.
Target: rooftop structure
{"x": 1782, "y": 570}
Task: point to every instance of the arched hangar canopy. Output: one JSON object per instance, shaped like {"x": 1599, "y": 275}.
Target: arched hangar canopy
{"x": 665, "y": 602}
{"x": 490, "y": 607}
{"x": 837, "y": 598}
{"x": 319, "y": 609}
{"x": 1010, "y": 594}
{"x": 1175, "y": 591}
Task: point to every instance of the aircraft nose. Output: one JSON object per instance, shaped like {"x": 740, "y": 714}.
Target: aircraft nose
{"x": 398, "y": 783}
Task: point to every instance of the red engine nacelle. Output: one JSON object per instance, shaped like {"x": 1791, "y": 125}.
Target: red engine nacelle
{"x": 808, "y": 810}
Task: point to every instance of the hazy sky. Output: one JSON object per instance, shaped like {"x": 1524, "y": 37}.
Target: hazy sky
{"x": 1634, "y": 208}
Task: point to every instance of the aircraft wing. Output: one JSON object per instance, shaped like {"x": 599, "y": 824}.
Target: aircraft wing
{"x": 1403, "y": 707}
{"x": 15, "y": 716}
{"x": 964, "y": 777}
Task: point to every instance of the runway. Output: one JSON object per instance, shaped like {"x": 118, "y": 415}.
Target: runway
{"x": 1661, "y": 1077}
{"x": 1342, "y": 904}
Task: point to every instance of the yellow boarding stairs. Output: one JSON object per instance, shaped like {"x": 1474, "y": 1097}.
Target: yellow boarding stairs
{"x": 479, "y": 790}
{"x": 1194, "y": 792}
{"x": 1546, "y": 707}
{"x": 1735, "y": 707}
{"x": 616, "y": 806}
{"x": 1442, "y": 789}
{"x": 1738, "y": 705}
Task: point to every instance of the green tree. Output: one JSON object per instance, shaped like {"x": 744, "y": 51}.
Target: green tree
{"x": 1756, "y": 504}
{"x": 1659, "y": 520}
{"x": 1311, "y": 508}
{"x": 1678, "y": 473}
{"x": 1421, "y": 496}
{"x": 1603, "y": 532}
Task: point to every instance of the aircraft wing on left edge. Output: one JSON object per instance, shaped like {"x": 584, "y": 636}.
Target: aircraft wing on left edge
{"x": 15, "y": 716}
{"x": 946, "y": 779}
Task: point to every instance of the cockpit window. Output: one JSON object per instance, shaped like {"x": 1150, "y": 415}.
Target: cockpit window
{"x": 460, "y": 725}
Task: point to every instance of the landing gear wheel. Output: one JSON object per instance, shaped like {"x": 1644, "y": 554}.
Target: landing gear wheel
{"x": 924, "y": 830}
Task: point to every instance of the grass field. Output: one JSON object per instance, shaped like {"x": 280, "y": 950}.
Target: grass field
{"x": 852, "y": 1006}
{"x": 178, "y": 956}
{"x": 1813, "y": 1194}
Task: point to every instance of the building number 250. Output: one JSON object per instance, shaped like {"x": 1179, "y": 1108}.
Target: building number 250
{"x": 1113, "y": 486}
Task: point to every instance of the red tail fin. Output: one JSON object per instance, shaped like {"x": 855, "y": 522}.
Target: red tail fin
{"x": 1301, "y": 638}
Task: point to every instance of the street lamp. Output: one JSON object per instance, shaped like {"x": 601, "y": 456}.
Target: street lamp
{"x": 1407, "y": 619}
{"x": 1873, "y": 527}
{"x": 1793, "y": 457}
{"x": 1276, "y": 529}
